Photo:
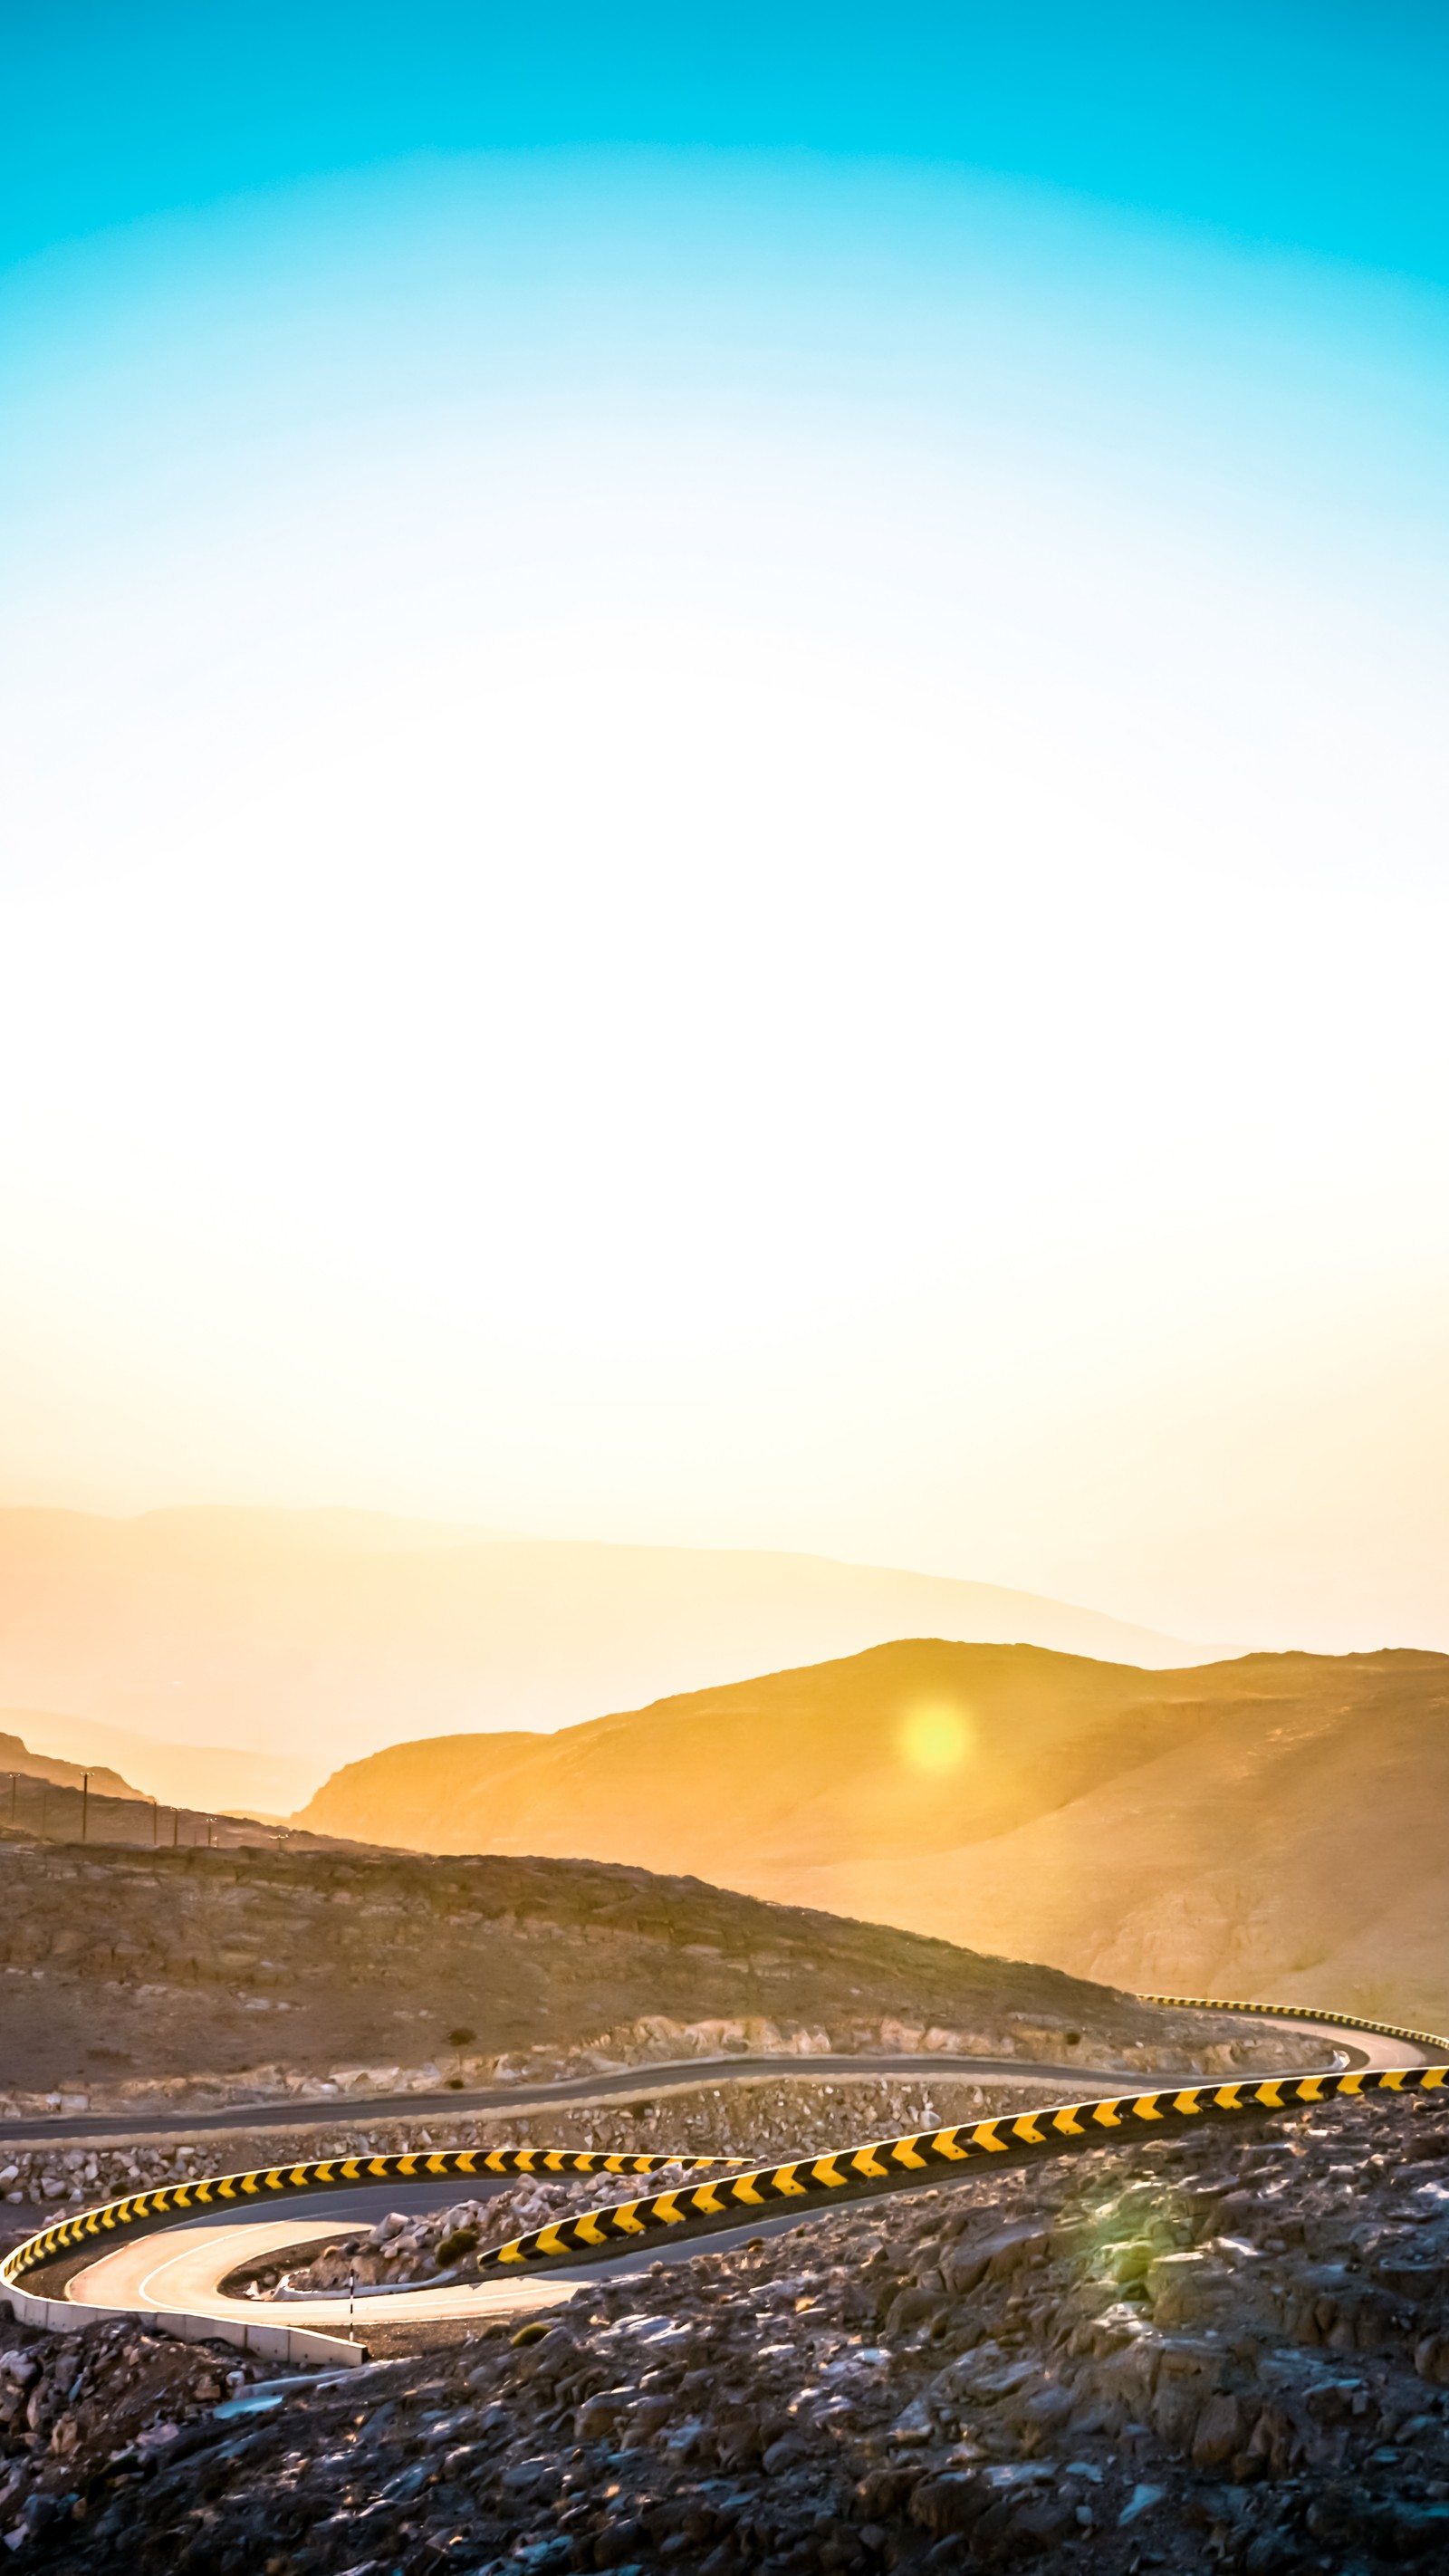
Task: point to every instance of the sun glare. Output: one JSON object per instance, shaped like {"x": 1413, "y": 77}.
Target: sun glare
{"x": 936, "y": 1736}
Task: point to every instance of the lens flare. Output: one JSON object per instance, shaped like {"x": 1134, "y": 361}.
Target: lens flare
{"x": 936, "y": 1736}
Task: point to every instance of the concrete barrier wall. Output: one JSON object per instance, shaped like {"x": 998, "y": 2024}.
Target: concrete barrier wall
{"x": 273, "y": 2342}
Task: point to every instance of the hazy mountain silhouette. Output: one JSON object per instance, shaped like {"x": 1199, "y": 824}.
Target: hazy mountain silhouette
{"x": 315, "y": 1636}
{"x": 16, "y": 1756}
{"x": 206, "y": 1776}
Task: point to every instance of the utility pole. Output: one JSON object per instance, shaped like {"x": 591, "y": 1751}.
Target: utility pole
{"x": 85, "y": 1806}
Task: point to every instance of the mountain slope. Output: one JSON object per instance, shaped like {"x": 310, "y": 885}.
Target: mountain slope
{"x": 1294, "y": 1845}
{"x": 327, "y": 1634}
{"x": 205, "y": 1776}
{"x": 792, "y": 1771}
{"x": 18, "y": 1761}
{"x": 1275, "y": 1821}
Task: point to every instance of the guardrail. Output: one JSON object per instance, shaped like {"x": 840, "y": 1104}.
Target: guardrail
{"x": 1304, "y": 2012}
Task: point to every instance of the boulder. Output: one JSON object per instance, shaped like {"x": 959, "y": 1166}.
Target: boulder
{"x": 1189, "y": 2289}
{"x": 965, "y": 2266}
{"x": 1220, "y": 2433}
{"x": 949, "y": 2503}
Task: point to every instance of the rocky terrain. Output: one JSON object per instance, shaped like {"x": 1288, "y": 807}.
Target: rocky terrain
{"x": 1267, "y": 1826}
{"x": 151, "y": 1980}
{"x": 1227, "y": 2349}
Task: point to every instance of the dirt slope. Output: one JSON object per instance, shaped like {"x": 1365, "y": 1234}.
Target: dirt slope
{"x": 1273, "y": 1822}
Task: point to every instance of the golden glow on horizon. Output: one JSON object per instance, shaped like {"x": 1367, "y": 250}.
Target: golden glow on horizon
{"x": 774, "y": 971}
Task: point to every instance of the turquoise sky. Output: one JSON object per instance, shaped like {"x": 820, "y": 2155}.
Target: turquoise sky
{"x": 727, "y": 782}
{"x": 1317, "y": 128}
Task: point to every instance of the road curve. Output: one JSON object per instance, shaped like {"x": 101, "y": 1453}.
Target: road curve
{"x": 174, "y": 2263}
{"x": 1378, "y": 2043}
{"x": 1373, "y": 2044}
{"x": 180, "y": 2272}
{"x": 524, "y": 2101}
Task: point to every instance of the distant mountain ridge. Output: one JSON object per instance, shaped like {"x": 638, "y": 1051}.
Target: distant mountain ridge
{"x": 1268, "y": 1826}
{"x": 324, "y": 1635}
{"x": 210, "y": 1777}
{"x": 16, "y": 1757}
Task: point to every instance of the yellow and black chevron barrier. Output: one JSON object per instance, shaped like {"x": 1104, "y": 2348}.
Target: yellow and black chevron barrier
{"x": 223, "y": 2192}
{"x": 815, "y": 2182}
{"x": 1304, "y": 2012}
{"x": 729, "y": 2197}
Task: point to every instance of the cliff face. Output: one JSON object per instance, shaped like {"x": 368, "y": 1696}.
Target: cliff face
{"x": 1274, "y": 1822}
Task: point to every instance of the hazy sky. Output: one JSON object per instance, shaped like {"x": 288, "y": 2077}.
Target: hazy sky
{"x": 724, "y": 751}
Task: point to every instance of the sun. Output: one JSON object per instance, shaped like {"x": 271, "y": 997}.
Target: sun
{"x": 935, "y": 1736}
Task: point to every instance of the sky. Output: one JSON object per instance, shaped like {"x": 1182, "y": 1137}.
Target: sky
{"x": 725, "y": 783}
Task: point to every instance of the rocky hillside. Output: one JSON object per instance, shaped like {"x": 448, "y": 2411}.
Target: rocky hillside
{"x": 122, "y": 1969}
{"x": 1243, "y": 1828}
{"x": 1228, "y": 2350}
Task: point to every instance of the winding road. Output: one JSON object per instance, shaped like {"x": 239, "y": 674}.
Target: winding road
{"x": 524, "y": 2100}
{"x": 176, "y": 2245}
